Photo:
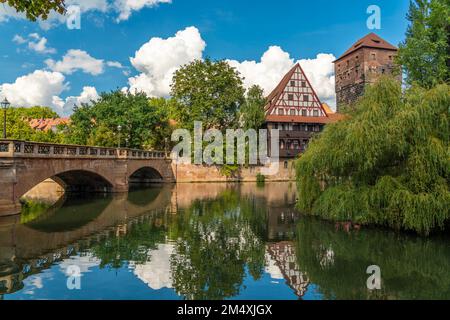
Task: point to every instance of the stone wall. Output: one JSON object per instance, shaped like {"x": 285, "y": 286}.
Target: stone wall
{"x": 185, "y": 173}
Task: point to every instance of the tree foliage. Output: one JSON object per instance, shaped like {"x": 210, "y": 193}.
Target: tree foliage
{"x": 37, "y": 9}
{"x": 387, "y": 163}
{"x": 207, "y": 91}
{"x": 252, "y": 111}
{"x": 143, "y": 121}
{"x": 17, "y": 126}
{"x": 425, "y": 54}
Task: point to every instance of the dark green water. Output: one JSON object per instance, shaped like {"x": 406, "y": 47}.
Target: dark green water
{"x": 209, "y": 241}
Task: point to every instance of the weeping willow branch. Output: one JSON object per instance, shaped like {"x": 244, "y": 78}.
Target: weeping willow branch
{"x": 387, "y": 163}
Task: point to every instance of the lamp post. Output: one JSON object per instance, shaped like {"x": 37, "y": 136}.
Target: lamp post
{"x": 119, "y": 128}
{"x": 5, "y": 104}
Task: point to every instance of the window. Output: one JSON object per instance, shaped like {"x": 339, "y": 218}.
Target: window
{"x": 285, "y": 164}
{"x": 292, "y": 112}
{"x": 305, "y": 97}
{"x": 316, "y": 113}
{"x": 281, "y": 112}
{"x": 373, "y": 56}
{"x": 276, "y": 125}
{"x": 282, "y": 145}
{"x": 292, "y": 83}
{"x": 290, "y": 97}
{"x": 316, "y": 128}
{"x": 304, "y": 84}
{"x": 296, "y": 145}
{"x": 304, "y": 113}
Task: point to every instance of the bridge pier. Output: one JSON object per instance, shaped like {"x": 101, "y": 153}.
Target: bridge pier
{"x": 9, "y": 209}
{"x": 9, "y": 203}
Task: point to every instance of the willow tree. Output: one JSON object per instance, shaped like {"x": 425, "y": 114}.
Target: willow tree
{"x": 387, "y": 163}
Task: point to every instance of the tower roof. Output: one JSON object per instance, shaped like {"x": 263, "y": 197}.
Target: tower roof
{"x": 369, "y": 41}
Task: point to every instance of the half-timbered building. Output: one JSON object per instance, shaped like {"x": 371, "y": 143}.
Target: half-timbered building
{"x": 296, "y": 111}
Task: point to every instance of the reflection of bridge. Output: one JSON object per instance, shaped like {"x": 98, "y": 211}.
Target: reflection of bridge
{"x": 23, "y": 165}
{"x": 28, "y": 249}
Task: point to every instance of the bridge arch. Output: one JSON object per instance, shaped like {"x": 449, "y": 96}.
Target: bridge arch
{"x": 145, "y": 175}
{"x": 77, "y": 180}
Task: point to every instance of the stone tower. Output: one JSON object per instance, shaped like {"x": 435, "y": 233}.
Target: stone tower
{"x": 361, "y": 65}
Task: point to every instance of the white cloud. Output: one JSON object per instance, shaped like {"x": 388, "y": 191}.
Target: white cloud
{"x": 37, "y": 88}
{"x": 43, "y": 88}
{"x": 274, "y": 64}
{"x": 159, "y": 58}
{"x": 35, "y": 43}
{"x": 41, "y": 46}
{"x": 19, "y": 40}
{"x": 266, "y": 73}
{"x": 126, "y": 7}
{"x": 123, "y": 9}
{"x": 75, "y": 60}
{"x": 157, "y": 272}
{"x": 65, "y": 107}
{"x": 114, "y": 64}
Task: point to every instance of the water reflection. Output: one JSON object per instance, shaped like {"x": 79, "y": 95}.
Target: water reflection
{"x": 209, "y": 241}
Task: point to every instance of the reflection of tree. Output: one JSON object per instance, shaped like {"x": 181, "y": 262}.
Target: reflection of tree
{"x": 336, "y": 261}
{"x": 215, "y": 241}
{"x": 132, "y": 245}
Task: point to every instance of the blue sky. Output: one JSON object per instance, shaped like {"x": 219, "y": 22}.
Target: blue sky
{"x": 237, "y": 30}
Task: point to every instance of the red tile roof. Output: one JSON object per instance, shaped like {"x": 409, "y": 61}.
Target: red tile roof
{"x": 369, "y": 41}
{"x": 46, "y": 124}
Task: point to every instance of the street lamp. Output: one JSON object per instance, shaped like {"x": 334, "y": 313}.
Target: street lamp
{"x": 119, "y": 128}
{"x": 5, "y": 104}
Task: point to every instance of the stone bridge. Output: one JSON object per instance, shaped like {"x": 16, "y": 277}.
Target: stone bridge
{"x": 24, "y": 165}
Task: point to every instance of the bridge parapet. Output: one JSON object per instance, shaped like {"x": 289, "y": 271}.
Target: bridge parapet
{"x": 26, "y": 149}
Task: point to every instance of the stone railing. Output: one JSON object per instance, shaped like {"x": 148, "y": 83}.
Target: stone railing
{"x": 25, "y": 149}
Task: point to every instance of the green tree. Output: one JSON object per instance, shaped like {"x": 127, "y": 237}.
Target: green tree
{"x": 425, "y": 54}
{"x": 37, "y": 9}
{"x": 143, "y": 121}
{"x": 252, "y": 111}
{"x": 17, "y": 126}
{"x": 387, "y": 163}
{"x": 207, "y": 91}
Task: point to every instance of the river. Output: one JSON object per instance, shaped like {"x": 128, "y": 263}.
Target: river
{"x": 208, "y": 241}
